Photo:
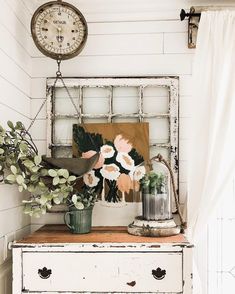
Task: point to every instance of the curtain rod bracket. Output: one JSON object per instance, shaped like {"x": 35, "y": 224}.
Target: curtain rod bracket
{"x": 193, "y": 23}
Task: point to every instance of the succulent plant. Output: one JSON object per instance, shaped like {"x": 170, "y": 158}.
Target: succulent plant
{"x": 153, "y": 181}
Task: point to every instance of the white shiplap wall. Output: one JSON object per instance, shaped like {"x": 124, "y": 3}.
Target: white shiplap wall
{"x": 15, "y": 80}
{"x": 149, "y": 41}
{"x": 126, "y": 38}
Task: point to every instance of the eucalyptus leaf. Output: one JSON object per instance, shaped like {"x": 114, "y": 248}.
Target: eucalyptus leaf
{"x": 10, "y": 124}
{"x": 79, "y": 205}
{"x": 43, "y": 200}
{"x": 37, "y": 159}
{"x": 56, "y": 200}
{"x": 43, "y": 172}
{"x": 74, "y": 199}
{"x": 19, "y": 179}
{"x": 56, "y": 181}
{"x": 23, "y": 147}
{"x": 28, "y": 163}
{"x": 52, "y": 173}
{"x": 35, "y": 169}
{"x": 34, "y": 178}
{"x": 11, "y": 178}
{"x": 13, "y": 169}
{"x": 19, "y": 125}
{"x": 72, "y": 179}
{"x": 62, "y": 181}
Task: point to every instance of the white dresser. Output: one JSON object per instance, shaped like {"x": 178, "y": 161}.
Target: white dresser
{"x": 108, "y": 260}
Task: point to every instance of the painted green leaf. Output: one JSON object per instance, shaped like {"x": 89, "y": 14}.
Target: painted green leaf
{"x": 1, "y": 151}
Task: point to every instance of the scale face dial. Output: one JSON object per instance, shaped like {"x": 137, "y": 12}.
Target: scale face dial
{"x": 59, "y": 30}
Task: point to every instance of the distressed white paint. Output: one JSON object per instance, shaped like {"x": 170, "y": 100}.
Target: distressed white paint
{"x": 106, "y": 267}
{"x": 102, "y": 272}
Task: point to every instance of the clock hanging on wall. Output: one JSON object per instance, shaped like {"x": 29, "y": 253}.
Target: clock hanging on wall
{"x": 59, "y": 30}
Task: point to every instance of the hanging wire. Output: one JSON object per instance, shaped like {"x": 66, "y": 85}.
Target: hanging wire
{"x": 60, "y": 77}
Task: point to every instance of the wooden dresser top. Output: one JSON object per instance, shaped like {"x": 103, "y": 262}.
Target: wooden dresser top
{"x": 60, "y": 234}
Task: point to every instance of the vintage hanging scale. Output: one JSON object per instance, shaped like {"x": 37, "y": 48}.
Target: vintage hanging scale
{"x": 59, "y": 31}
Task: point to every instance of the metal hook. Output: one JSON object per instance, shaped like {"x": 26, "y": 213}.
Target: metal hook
{"x": 58, "y": 73}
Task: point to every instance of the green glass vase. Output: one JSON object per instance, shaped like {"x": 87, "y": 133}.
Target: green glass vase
{"x": 79, "y": 221}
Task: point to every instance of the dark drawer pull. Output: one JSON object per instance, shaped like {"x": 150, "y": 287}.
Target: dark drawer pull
{"x": 44, "y": 273}
{"x": 159, "y": 274}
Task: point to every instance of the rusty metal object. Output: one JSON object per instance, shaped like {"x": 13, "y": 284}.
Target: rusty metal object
{"x": 76, "y": 166}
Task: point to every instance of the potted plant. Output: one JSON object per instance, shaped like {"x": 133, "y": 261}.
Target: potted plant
{"x": 80, "y": 211}
{"x": 155, "y": 200}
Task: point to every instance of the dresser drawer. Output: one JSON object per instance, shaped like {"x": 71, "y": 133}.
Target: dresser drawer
{"x": 102, "y": 271}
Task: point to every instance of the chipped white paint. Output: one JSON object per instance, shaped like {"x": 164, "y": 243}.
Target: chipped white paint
{"x": 102, "y": 268}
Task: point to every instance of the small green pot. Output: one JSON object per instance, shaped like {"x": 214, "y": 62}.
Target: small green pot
{"x": 79, "y": 220}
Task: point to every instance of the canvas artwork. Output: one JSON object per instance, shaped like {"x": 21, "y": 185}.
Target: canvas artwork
{"x": 122, "y": 147}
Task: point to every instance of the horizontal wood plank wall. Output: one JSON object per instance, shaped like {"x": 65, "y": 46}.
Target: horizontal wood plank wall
{"x": 15, "y": 80}
{"x": 141, "y": 43}
{"x": 127, "y": 38}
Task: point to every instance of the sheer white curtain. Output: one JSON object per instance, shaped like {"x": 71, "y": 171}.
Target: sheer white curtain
{"x": 212, "y": 144}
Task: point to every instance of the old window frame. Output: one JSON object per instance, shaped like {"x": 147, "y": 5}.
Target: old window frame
{"x": 171, "y": 83}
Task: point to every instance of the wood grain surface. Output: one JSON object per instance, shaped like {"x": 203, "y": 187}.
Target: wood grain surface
{"x": 60, "y": 234}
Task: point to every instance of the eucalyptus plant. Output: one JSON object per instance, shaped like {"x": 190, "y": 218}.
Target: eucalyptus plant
{"x": 21, "y": 164}
{"x": 83, "y": 200}
{"x": 153, "y": 182}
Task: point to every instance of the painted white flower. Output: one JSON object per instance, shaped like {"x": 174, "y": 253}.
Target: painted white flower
{"x": 139, "y": 173}
{"x": 90, "y": 179}
{"x": 107, "y": 151}
{"x": 126, "y": 161}
{"x": 110, "y": 171}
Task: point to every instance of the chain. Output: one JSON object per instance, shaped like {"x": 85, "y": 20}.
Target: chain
{"x": 60, "y": 77}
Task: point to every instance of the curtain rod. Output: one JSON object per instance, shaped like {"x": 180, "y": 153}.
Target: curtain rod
{"x": 196, "y": 11}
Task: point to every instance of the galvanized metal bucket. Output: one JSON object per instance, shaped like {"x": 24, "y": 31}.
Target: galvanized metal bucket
{"x": 156, "y": 206}
{"x": 79, "y": 221}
